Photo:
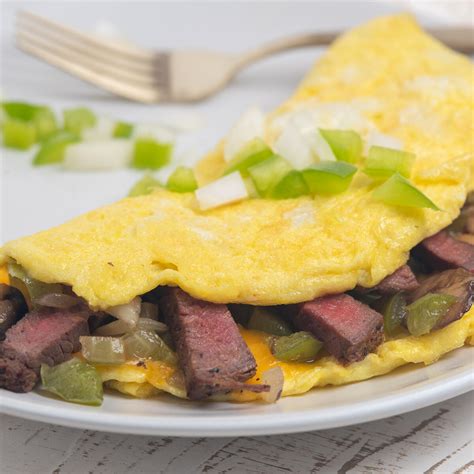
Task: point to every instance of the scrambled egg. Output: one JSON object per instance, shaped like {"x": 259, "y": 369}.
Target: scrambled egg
{"x": 147, "y": 381}
{"x": 395, "y": 80}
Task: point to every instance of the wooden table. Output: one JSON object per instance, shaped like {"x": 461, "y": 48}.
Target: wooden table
{"x": 437, "y": 439}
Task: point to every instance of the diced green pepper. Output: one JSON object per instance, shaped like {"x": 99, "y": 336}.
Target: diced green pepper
{"x": 18, "y": 134}
{"x": 35, "y": 288}
{"x": 346, "y": 144}
{"x": 52, "y": 149}
{"x": 103, "y": 350}
{"x": 143, "y": 344}
{"x": 40, "y": 116}
{"x": 398, "y": 191}
{"x": 76, "y": 120}
{"x": 384, "y": 162}
{"x": 394, "y": 313}
{"x": 20, "y": 110}
{"x": 123, "y": 130}
{"x": 425, "y": 312}
{"x": 292, "y": 185}
{"x": 45, "y": 122}
{"x": 329, "y": 177}
{"x": 268, "y": 173}
{"x": 298, "y": 347}
{"x": 150, "y": 154}
{"x": 254, "y": 152}
{"x": 266, "y": 321}
{"x": 182, "y": 180}
{"x": 74, "y": 381}
{"x": 145, "y": 185}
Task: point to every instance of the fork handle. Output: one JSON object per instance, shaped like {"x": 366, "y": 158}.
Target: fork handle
{"x": 460, "y": 39}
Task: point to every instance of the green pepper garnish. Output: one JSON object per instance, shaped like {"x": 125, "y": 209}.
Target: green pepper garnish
{"x": 145, "y": 185}
{"x": 266, "y": 321}
{"x": 150, "y": 154}
{"x": 384, "y": 162}
{"x": 292, "y": 185}
{"x": 123, "y": 130}
{"x": 182, "y": 180}
{"x": 74, "y": 381}
{"x": 52, "y": 149}
{"x": 425, "y": 312}
{"x": 266, "y": 174}
{"x": 76, "y": 120}
{"x": 329, "y": 177}
{"x": 253, "y": 152}
{"x": 345, "y": 144}
{"x": 398, "y": 191}
{"x": 298, "y": 347}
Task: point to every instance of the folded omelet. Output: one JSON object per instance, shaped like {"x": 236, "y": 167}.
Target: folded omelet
{"x": 386, "y": 77}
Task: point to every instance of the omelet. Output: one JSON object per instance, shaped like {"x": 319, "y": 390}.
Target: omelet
{"x": 386, "y": 77}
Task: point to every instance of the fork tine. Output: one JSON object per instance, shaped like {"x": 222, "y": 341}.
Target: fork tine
{"x": 146, "y": 65}
{"x": 126, "y": 51}
{"x": 81, "y": 56}
{"x": 116, "y": 86}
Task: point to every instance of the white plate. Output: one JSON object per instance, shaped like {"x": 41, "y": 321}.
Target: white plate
{"x": 403, "y": 390}
{"x": 33, "y": 199}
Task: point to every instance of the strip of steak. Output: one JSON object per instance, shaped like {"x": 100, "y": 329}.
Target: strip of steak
{"x": 458, "y": 283}
{"x": 348, "y": 328}
{"x": 41, "y": 337}
{"x": 402, "y": 279}
{"x": 443, "y": 251}
{"x": 211, "y": 351}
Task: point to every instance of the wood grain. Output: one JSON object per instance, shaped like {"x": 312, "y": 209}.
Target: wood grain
{"x": 435, "y": 440}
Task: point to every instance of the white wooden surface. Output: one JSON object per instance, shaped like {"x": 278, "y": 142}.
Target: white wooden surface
{"x": 435, "y": 440}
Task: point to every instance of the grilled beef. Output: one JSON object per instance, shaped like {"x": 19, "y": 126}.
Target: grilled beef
{"x": 41, "y": 337}
{"x": 458, "y": 283}
{"x": 442, "y": 251}
{"x": 12, "y": 307}
{"x": 402, "y": 279}
{"x": 211, "y": 351}
{"x": 348, "y": 328}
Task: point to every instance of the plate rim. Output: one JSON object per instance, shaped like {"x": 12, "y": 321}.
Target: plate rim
{"x": 245, "y": 425}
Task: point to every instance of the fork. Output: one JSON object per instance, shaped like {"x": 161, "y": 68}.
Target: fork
{"x": 153, "y": 76}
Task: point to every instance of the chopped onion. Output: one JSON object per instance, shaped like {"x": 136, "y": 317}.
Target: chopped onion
{"x": 115, "y": 328}
{"x": 129, "y": 313}
{"x": 102, "y": 130}
{"x": 58, "y": 300}
{"x": 375, "y": 138}
{"x": 225, "y": 190}
{"x": 249, "y": 126}
{"x": 147, "y": 345}
{"x": 99, "y": 155}
{"x": 149, "y": 311}
{"x": 291, "y": 146}
{"x": 103, "y": 350}
{"x": 273, "y": 377}
{"x": 151, "y": 325}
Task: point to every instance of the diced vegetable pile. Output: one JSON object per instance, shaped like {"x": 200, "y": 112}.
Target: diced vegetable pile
{"x": 304, "y": 160}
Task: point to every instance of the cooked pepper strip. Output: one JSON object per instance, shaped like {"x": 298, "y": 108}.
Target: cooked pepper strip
{"x": 298, "y": 347}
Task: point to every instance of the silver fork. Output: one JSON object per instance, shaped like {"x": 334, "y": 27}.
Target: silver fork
{"x": 153, "y": 76}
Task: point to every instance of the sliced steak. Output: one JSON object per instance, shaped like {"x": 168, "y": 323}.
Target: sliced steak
{"x": 348, "y": 328}
{"x": 458, "y": 283}
{"x": 402, "y": 279}
{"x": 41, "y": 337}
{"x": 442, "y": 251}
{"x": 211, "y": 351}
{"x": 12, "y": 307}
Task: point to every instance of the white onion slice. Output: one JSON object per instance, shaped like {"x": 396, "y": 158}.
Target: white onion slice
{"x": 151, "y": 325}
{"x": 58, "y": 300}
{"x": 149, "y": 311}
{"x": 249, "y": 126}
{"x": 129, "y": 312}
{"x": 375, "y": 138}
{"x": 291, "y": 146}
{"x": 98, "y": 155}
{"x": 115, "y": 328}
{"x": 273, "y": 377}
{"x": 102, "y": 130}
{"x": 225, "y": 190}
